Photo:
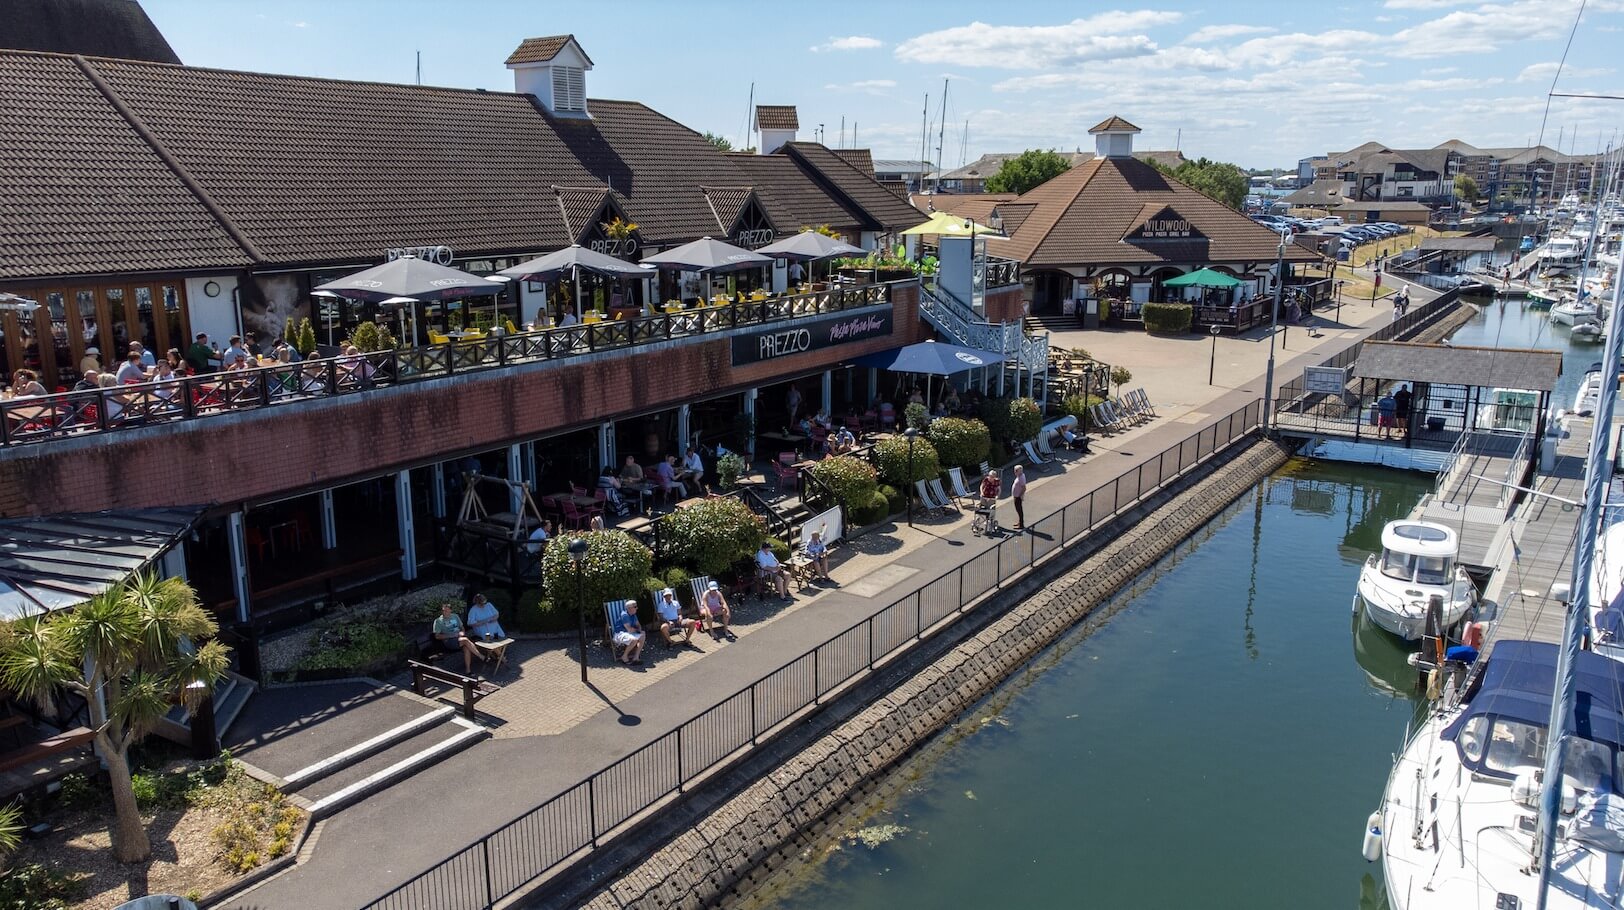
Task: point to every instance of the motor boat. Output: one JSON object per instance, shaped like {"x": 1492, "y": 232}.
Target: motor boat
{"x": 1542, "y": 297}
{"x": 1511, "y": 410}
{"x": 1584, "y": 400}
{"x": 1562, "y": 249}
{"x": 1591, "y": 332}
{"x": 1417, "y": 563}
{"x": 1457, "y": 822}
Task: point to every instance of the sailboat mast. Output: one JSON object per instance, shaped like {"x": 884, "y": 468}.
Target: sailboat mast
{"x": 924, "y": 130}
{"x": 941, "y": 132}
{"x": 1590, "y": 246}
{"x": 1597, "y": 469}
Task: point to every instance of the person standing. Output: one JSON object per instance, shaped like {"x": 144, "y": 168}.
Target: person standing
{"x": 1386, "y": 408}
{"x": 792, "y": 404}
{"x": 796, "y": 272}
{"x": 199, "y": 355}
{"x": 1401, "y": 409}
{"x": 1017, "y": 493}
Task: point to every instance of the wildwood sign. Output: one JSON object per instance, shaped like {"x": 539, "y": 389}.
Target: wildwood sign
{"x": 812, "y": 335}
{"x": 1166, "y": 224}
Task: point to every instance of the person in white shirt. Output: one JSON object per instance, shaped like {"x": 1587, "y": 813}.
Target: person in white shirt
{"x": 568, "y": 320}
{"x": 818, "y": 552}
{"x": 539, "y": 536}
{"x": 483, "y": 620}
{"x": 671, "y": 618}
{"x": 769, "y": 567}
{"x": 693, "y": 466}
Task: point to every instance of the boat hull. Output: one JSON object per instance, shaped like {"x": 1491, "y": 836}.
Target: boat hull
{"x": 1406, "y": 618}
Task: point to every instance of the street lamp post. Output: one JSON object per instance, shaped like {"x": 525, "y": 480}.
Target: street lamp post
{"x": 907, "y": 491}
{"x": 1212, "y": 366}
{"x": 1274, "y": 325}
{"x": 577, "y": 552}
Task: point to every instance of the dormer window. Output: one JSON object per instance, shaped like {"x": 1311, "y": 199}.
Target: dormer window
{"x": 569, "y": 88}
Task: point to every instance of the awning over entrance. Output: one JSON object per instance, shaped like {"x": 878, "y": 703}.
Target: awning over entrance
{"x": 932, "y": 358}
{"x": 61, "y": 561}
{"x": 1442, "y": 364}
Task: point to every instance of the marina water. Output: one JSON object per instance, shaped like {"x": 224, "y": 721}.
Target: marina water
{"x": 1217, "y": 742}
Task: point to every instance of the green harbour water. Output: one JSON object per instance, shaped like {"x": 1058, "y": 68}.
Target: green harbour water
{"x": 1215, "y": 738}
{"x": 1218, "y": 742}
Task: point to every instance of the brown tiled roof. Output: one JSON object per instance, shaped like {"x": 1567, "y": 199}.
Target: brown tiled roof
{"x": 1393, "y": 206}
{"x": 321, "y": 170}
{"x": 96, "y": 28}
{"x": 969, "y": 205}
{"x": 726, "y": 202}
{"x": 1082, "y": 216}
{"x": 862, "y": 159}
{"x": 880, "y": 205}
{"x": 541, "y": 50}
{"x": 1015, "y": 215}
{"x": 793, "y": 200}
{"x": 777, "y": 117}
{"x": 1113, "y": 124}
{"x": 579, "y": 205}
{"x": 81, "y": 192}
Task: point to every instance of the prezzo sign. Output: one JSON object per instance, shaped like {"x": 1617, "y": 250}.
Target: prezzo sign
{"x": 752, "y": 238}
{"x": 622, "y": 248}
{"x": 439, "y": 255}
{"x": 811, "y": 335}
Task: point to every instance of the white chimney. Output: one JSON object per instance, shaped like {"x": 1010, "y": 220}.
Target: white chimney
{"x": 1113, "y": 138}
{"x": 777, "y": 124}
{"x": 554, "y": 70}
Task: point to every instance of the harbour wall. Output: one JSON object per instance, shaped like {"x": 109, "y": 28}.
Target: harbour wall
{"x": 709, "y": 849}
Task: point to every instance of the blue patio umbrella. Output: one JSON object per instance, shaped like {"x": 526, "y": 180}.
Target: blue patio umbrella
{"x": 933, "y": 358}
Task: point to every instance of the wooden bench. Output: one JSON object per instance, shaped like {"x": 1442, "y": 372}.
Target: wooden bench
{"x": 45, "y": 748}
{"x": 472, "y": 689}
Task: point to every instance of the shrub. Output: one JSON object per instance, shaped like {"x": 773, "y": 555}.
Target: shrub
{"x": 1167, "y": 318}
{"x": 290, "y": 333}
{"x": 873, "y": 511}
{"x": 1121, "y": 376}
{"x": 1025, "y": 420}
{"x": 307, "y": 338}
{"x": 959, "y": 442}
{"x": 895, "y": 501}
{"x": 365, "y": 337}
{"x": 386, "y": 339}
{"x": 780, "y": 548}
{"x": 677, "y": 578}
{"x": 36, "y": 887}
{"x": 893, "y": 457}
{"x": 1078, "y": 405}
{"x": 994, "y": 413}
{"x": 537, "y": 614}
{"x": 614, "y": 568}
{"x": 729, "y": 468}
{"x": 711, "y": 535}
{"x": 354, "y": 644}
{"x": 915, "y": 415}
{"x": 851, "y": 479}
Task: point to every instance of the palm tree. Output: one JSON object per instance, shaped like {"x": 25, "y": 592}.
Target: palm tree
{"x": 131, "y": 652}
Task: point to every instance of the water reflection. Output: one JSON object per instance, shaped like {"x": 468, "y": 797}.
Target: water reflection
{"x": 1384, "y": 658}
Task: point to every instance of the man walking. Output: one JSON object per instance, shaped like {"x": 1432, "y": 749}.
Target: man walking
{"x": 1401, "y": 409}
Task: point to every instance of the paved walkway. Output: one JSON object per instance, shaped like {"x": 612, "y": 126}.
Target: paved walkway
{"x": 553, "y": 732}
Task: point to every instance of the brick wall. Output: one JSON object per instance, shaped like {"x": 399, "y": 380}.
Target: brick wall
{"x": 255, "y": 455}
{"x": 1006, "y": 305}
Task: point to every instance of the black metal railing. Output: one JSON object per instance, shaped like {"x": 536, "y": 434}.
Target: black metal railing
{"x": 33, "y": 420}
{"x": 578, "y": 820}
{"x": 1002, "y": 272}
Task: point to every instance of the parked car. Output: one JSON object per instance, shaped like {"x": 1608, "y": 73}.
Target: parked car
{"x": 1332, "y": 219}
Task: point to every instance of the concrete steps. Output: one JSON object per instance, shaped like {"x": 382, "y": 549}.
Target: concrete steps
{"x": 353, "y": 774}
{"x": 231, "y": 694}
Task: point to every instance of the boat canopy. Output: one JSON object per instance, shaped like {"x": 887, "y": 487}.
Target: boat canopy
{"x": 1420, "y": 538}
{"x": 1517, "y": 685}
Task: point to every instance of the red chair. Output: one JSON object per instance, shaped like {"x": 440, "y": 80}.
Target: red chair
{"x": 575, "y": 517}
{"x": 784, "y": 469}
{"x": 820, "y": 438}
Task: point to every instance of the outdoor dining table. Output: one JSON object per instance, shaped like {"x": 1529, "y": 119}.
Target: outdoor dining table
{"x": 494, "y": 649}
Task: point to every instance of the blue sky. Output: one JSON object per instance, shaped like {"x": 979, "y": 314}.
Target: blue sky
{"x": 1258, "y": 83}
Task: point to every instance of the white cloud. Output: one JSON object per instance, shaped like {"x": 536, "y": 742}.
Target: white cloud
{"x": 1209, "y": 33}
{"x": 1485, "y": 29}
{"x": 848, "y": 43}
{"x": 1110, "y": 35}
{"x": 867, "y": 86}
{"x": 1545, "y": 72}
{"x": 300, "y": 24}
{"x": 1439, "y": 70}
{"x": 1424, "y": 4}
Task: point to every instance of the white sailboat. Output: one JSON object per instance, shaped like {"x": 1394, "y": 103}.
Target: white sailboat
{"x": 1416, "y": 564}
{"x": 1572, "y": 312}
{"x": 1508, "y": 795}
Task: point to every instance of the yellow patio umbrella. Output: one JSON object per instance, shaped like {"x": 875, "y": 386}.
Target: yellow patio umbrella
{"x": 946, "y": 224}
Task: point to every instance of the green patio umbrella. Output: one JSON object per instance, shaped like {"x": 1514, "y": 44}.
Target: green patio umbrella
{"x": 1203, "y": 278}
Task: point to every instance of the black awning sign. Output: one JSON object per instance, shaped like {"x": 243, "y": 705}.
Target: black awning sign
{"x": 774, "y": 342}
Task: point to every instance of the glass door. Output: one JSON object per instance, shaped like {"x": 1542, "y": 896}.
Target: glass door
{"x": 115, "y": 327}
{"x": 145, "y": 324}
{"x": 57, "y": 366}
{"x": 84, "y": 328}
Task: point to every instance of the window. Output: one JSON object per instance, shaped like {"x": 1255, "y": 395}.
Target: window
{"x": 569, "y": 88}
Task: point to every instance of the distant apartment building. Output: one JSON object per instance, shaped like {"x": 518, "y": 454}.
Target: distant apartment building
{"x": 972, "y": 177}
{"x": 1373, "y": 172}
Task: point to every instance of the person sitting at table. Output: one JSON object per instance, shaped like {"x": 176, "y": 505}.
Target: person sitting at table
{"x": 596, "y": 524}
{"x": 951, "y": 400}
{"x": 939, "y": 409}
{"x": 817, "y": 552}
{"x": 112, "y": 403}
{"x": 823, "y": 419}
{"x": 671, "y": 618}
{"x": 568, "y": 319}
{"x": 131, "y": 371}
{"x": 200, "y": 356}
{"x": 915, "y": 396}
{"x": 167, "y": 383}
{"x": 666, "y": 470}
{"x": 630, "y": 635}
{"x": 448, "y": 632}
{"x": 768, "y": 567}
{"x": 483, "y": 620}
{"x": 539, "y": 537}
{"x": 353, "y": 367}
{"x": 233, "y": 347}
{"x": 177, "y": 362}
{"x": 25, "y": 384}
{"x": 90, "y": 383}
{"x": 713, "y": 606}
{"x": 611, "y": 487}
{"x": 631, "y": 473}
{"x": 847, "y": 440}
{"x": 693, "y": 467}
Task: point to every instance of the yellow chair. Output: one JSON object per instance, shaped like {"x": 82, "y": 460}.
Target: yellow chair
{"x": 437, "y": 338}
{"x": 511, "y": 328}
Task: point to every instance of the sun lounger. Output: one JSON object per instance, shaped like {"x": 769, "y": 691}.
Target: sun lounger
{"x": 956, "y": 477}
{"x": 926, "y": 499}
{"x": 1032, "y": 453}
{"x": 614, "y": 617}
{"x": 1143, "y": 401}
{"x": 942, "y": 496}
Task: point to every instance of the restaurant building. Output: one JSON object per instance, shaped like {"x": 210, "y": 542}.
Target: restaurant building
{"x": 1099, "y": 239}
{"x": 152, "y": 202}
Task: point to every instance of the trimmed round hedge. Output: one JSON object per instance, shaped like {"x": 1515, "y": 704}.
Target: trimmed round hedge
{"x": 615, "y": 568}
{"x": 711, "y": 535}
{"x": 960, "y": 442}
{"x": 892, "y": 455}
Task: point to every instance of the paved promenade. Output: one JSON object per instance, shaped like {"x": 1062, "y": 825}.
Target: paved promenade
{"x": 552, "y": 732}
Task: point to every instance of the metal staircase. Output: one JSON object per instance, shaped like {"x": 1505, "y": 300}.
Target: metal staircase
{"x": 960, "y": 324}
